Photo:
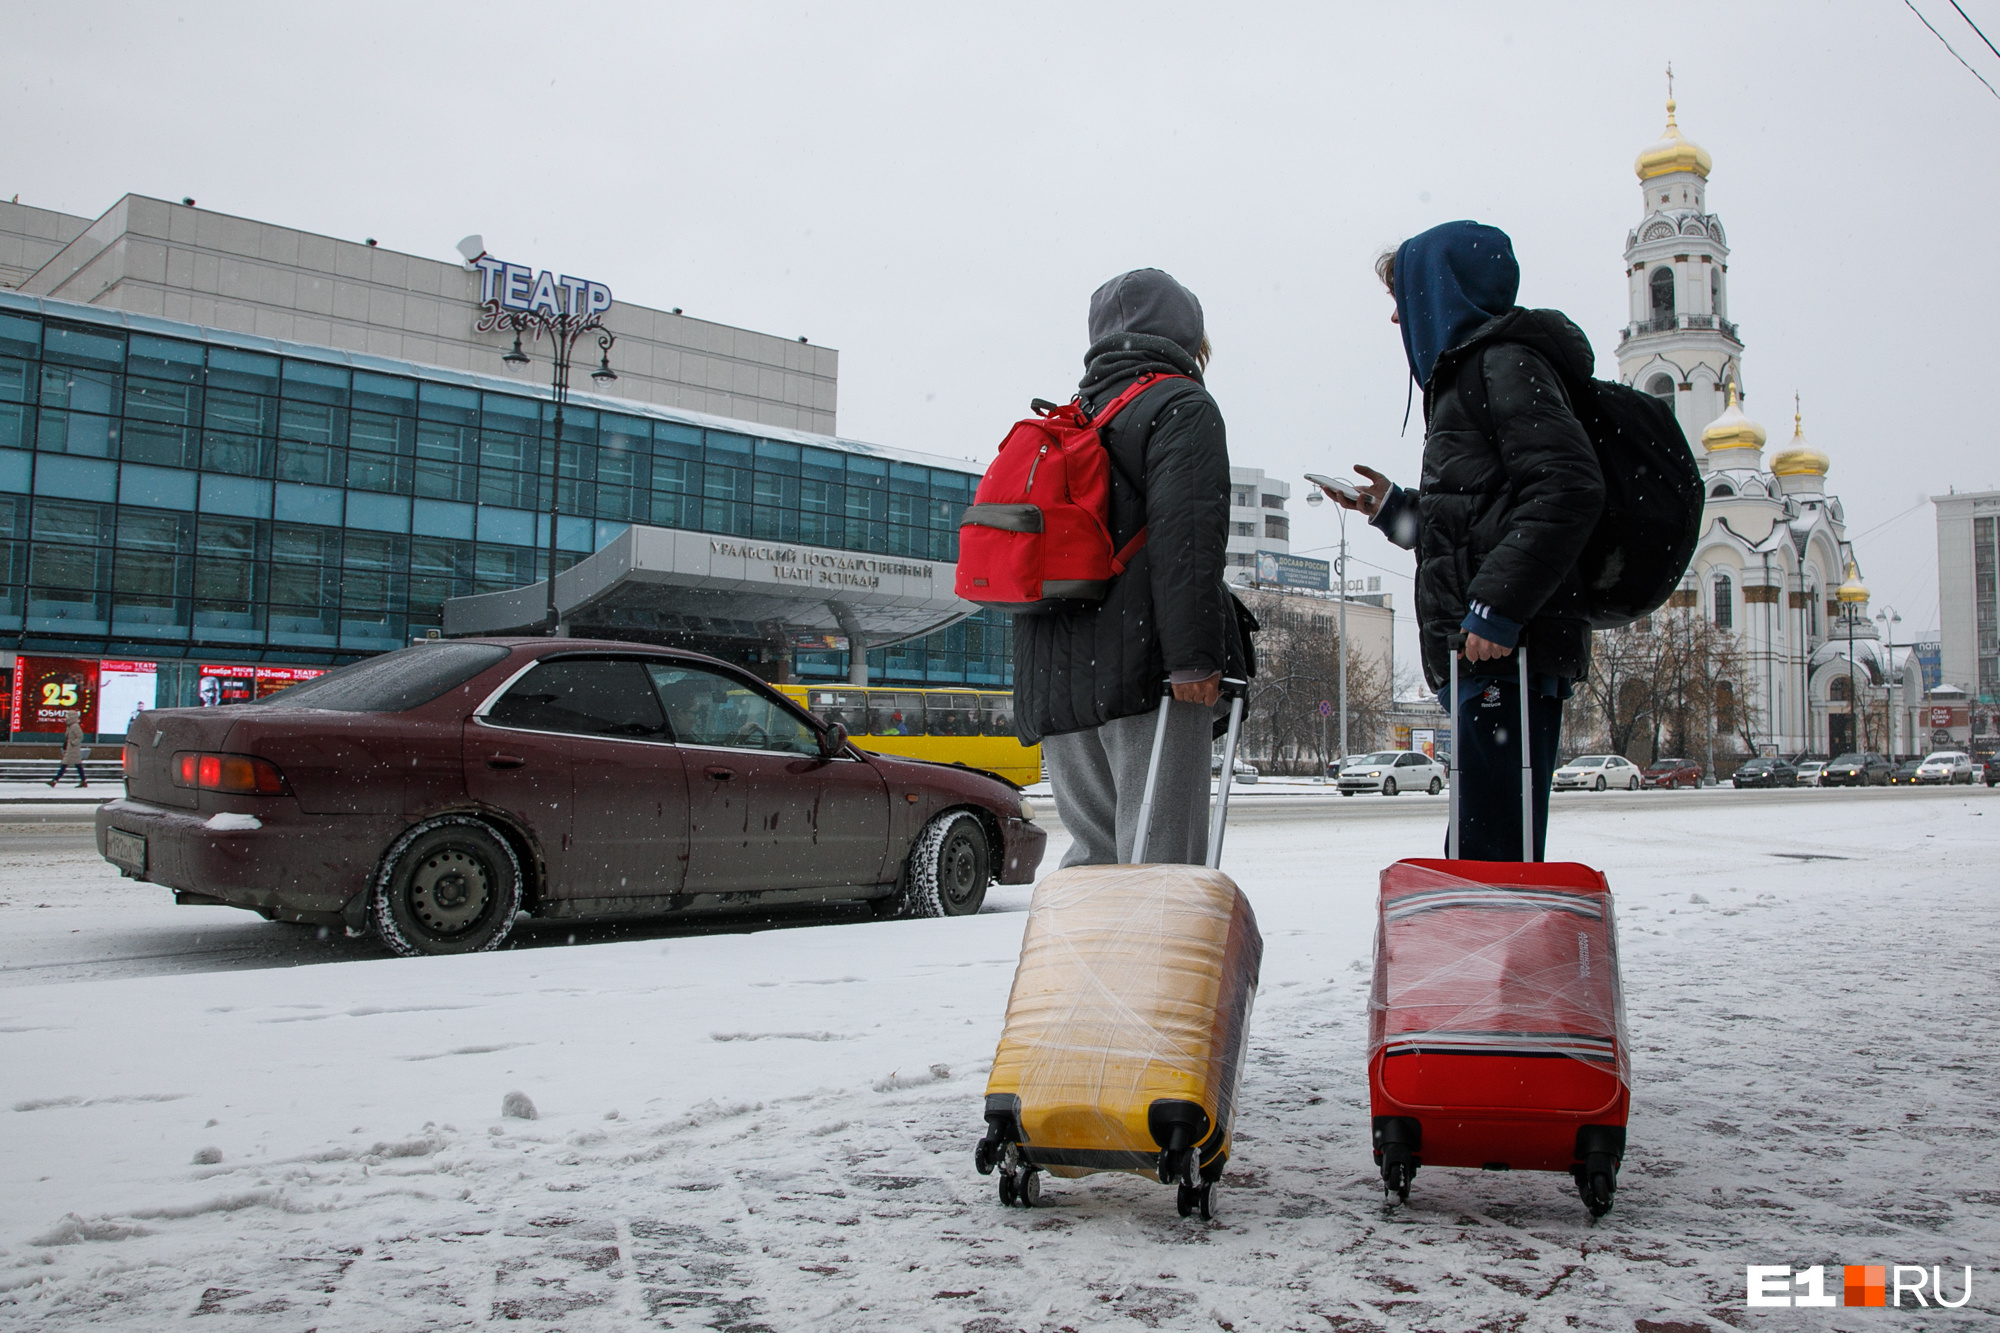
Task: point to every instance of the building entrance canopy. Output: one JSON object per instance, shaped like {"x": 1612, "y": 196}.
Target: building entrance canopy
{"x": 665, "y": 584}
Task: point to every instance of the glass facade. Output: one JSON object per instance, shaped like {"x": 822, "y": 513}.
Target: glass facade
{"x": 1986, "y": 600}
{"x": 167, "y": 494}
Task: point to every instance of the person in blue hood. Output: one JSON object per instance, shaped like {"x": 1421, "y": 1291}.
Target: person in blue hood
{"x": 1510, "y": 492}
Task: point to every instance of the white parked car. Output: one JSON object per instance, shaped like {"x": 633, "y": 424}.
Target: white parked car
{"x": 1809, "y": 771}
{"x": 1246, "y": 772}
{"x": 1393, "y": 771}
{"x": 1596, "y": 772}
{"x": 1946, "y": 766}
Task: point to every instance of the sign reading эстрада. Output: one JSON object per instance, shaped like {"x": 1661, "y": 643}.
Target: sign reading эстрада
{"x": 504, "y": 286}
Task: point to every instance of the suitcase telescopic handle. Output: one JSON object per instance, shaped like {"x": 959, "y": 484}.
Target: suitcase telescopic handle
{"x": 1235, "y": 690}
{"x": 1527, "y": 761}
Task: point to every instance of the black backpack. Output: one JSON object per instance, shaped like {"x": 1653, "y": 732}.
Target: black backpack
{"x": 1644, "y": 539}
{"x": 1652, "y": 503}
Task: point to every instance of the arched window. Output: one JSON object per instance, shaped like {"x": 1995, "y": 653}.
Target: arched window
{"x": 1836, "y": 689}
{"x": 1722, "y": 491}
{"x": 1725, "y": 602}
{"x": 1661, "y": 386}
{"x": 1715, "y": 291}
{"x": 1662, "y": 283}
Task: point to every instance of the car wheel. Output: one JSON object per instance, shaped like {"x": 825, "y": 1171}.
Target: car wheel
{"x": 1437, "y": 785}
{"x": 1600, "y": 785}
{"x": 1633, "y": 785}
{"x": 1388, "y": 786}
{"x": 1347, "y": 793}
{"x": 448, "y": 886}
{"x": 946, "y": 873}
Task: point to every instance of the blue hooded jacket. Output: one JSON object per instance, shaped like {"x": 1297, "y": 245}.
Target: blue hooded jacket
{"x": 1449, "y": 281}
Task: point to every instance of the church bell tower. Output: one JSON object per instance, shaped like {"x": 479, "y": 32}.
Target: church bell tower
{"x": 1679, "y": 345}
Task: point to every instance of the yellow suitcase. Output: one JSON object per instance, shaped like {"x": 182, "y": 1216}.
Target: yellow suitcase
{"x": 1128, "y": 1021}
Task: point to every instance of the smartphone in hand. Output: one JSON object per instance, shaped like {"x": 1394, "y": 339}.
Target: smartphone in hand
{"x": 1340, "y": 486}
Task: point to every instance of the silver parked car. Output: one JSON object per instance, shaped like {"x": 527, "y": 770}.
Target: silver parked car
{"x": 1947, "y": 767}
{"x": 1393, "y": 771}
{"x": 1809, "y": 771}
{"x": 1596, "y": 772}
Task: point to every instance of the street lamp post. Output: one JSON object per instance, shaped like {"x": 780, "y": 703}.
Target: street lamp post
{"x": 1889, "y": 620}
{"x": 564, "y": 329}
{"x": 1313, "y": 498}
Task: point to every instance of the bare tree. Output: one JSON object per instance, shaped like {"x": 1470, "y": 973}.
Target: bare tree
{"x": 1297, "y": 667}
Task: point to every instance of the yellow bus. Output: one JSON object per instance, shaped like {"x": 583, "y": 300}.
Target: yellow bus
{"x": 970, "y": 727}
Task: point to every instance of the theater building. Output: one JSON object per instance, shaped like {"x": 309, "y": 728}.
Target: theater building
{"x": 233, "y": 453}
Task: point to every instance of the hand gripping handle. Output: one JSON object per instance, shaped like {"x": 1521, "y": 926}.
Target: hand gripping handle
{"x": 1527, "y": 761}
{"x": 1236, "y": 690}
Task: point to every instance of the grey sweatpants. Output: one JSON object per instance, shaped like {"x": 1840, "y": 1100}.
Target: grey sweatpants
{"x": 1099, "y": 778}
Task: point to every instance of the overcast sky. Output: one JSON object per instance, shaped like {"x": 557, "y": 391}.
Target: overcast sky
{"x": 935, "y": 189}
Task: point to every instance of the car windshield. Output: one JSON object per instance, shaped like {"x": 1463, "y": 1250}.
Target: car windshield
{"x": 1756, "y": 763}
{"x": 1944, "y": 757}
{"x": 1588, "y": 761}
{"x": 1387, "y": 757}
{"x": 1850, "y": 759}
{"x": 393, "y": 682}
{"x": 1668, "y": 763}
{"x": 1813, "y": 763}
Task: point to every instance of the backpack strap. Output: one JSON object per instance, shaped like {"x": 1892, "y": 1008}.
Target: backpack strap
{"x": 1131, "y": 391}
{"x": 1124, "y": 554}
{"x": 1127, "y": 551}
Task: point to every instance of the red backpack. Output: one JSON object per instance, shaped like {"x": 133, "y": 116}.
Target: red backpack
{"x": 1038, "y": 533}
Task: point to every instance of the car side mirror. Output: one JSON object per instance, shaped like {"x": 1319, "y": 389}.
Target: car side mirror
{"x": 833, "y": 741}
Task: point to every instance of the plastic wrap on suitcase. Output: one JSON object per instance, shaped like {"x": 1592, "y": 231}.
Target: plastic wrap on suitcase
{"x": 1133, "y": 995}
{"x": 1524, "y": 969}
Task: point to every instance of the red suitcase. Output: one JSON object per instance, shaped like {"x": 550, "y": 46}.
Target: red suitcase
{"x": 1497, "y": 1025}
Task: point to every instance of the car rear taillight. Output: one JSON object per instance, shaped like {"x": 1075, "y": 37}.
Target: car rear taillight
{"x": 241, "y": 774}
{"x": 127, "y": 760}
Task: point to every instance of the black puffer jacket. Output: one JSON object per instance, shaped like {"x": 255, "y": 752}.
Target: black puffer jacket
{"x": 1510, "y": 492}
{"x": 1169, "y": 611}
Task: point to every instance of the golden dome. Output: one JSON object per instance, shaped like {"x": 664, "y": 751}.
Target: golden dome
{"x": 1854, "y": 590}
{"x": 1733, "y": 430}
{"x": 1799, "y": 459}
{"x": 1673, "y": 153}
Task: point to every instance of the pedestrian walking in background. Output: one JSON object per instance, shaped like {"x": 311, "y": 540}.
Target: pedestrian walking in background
{"x": 1088, "y": 678}
{"x": 1510, "y": 491}
{"x": 72, "y": 753}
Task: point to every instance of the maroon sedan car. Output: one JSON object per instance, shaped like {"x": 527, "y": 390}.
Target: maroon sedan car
{"x": 1671, "y": 773}
{"x": 431, "y": 794}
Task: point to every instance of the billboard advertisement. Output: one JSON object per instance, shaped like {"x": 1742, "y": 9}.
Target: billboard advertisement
{"x": 1294, "y": 571}
{"x": 221, "y": 684}
{"x": 48, "y": 690}
{"x": 125, "y": 690}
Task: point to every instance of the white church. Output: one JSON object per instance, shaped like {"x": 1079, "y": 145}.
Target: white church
{"x": 1774, "y": 563}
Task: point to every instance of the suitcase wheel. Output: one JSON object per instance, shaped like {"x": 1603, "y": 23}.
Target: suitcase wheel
{"x": 1596, "y": 1182}
{"x": 1020, "y": 1182}
{"x": 1600, "y": 1149}
{"x": 1398, "y": 1141}
{"x": 1021, "y": 1186}
{"x": 1190, "y": 1198}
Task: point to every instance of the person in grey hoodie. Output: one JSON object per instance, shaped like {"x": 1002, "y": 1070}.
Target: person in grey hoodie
{"x": 1088, "y": 679}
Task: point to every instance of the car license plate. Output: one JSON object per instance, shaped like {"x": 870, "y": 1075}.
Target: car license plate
{"x": 125, "y": 849}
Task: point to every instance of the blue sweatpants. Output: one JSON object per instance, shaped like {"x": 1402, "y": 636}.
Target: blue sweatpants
{"x": 1489, "y": 778}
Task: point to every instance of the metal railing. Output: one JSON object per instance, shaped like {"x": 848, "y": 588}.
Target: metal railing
{"x": 1674, "y": 323}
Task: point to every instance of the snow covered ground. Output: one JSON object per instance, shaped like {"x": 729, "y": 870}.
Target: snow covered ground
{"x": 774, "y": 1130}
